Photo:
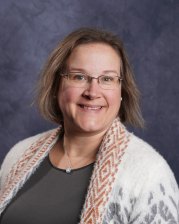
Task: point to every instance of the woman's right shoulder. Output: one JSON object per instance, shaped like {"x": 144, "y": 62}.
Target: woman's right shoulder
{"x": 19, "y": 148}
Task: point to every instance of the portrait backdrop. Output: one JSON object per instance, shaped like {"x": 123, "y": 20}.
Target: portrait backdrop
{"x": 29, "y": 30}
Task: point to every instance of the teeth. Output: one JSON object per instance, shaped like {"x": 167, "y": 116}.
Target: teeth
{"x": 91, "y": 107}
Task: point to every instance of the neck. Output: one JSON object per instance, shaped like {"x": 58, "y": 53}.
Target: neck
{"x": 82, "y": 146}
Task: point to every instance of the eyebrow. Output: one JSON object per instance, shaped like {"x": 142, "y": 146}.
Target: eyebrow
{"x": 82, "y": 70}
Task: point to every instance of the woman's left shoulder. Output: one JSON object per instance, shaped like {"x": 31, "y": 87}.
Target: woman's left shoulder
{"x": 140, "y": 149}
{"x": 148, "y": 160}
{"x": 145, "y": 186}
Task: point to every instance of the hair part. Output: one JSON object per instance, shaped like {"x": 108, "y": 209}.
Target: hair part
{"x": 48, "y": 85}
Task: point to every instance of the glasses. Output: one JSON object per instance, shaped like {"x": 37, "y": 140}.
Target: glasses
{"x": 109, "y": 80}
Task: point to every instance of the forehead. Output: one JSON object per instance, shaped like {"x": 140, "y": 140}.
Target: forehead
{"x": 95, "y": 46}
{"x": 94, "y": 56}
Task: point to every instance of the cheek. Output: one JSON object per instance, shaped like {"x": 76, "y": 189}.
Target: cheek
{"x": 67, "y": 95}
{"x": 114, "y": 99}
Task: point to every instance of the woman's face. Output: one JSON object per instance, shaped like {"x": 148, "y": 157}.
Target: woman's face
{"x": 90, "y": 109}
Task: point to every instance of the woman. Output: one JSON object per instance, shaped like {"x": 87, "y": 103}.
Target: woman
{"x": 90, "y": 169}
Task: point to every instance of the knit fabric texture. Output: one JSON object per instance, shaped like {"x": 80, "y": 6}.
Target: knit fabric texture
{"x": 131, "y": 182}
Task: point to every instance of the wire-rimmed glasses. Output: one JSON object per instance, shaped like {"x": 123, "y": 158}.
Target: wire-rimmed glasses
{"x": 109, "y": 80}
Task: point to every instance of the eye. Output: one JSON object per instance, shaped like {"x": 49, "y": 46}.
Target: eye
{"x": 107, "y": 78}
{"x": 77, "y": 76}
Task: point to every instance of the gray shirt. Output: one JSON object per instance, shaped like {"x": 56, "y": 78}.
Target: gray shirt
{"x": 50, "y": 196}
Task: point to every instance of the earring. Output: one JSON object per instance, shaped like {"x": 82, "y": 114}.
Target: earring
{"x": 121, "y": 98}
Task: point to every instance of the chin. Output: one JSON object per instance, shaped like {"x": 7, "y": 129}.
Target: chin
{"x": 93, "y": 127}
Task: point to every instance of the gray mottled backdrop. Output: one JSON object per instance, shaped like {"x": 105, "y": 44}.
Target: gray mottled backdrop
{"x": 29, "y": 30}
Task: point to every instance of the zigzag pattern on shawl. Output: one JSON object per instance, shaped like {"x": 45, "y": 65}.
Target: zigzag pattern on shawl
{"x": 106, "y": 167}
{"x": 23, "y": 160}
{"x": 25, "y": 166}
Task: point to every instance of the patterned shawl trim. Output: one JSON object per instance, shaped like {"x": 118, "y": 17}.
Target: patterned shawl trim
{"x": 102, "y": 181}
{"x": 26, "y": 166}
{"x": 105, "y": 172}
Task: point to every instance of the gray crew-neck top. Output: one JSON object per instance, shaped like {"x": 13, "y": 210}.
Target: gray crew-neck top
{"x": 50, "y": 196}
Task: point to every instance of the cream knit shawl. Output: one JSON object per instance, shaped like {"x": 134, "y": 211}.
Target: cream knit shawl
{"x": 130, "y": 183}
{"x": 106, "y": 167}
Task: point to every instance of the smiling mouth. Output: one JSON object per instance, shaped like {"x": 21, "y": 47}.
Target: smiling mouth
{"x": 86, "y": 107}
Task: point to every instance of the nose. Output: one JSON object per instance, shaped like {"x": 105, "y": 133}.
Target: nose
{"x": 92, "y": 89}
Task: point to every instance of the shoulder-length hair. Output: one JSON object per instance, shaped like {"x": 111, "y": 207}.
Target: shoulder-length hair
{"x": 48, "y": 86}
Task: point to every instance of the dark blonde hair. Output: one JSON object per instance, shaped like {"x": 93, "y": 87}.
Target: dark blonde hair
{"x": 50, "y": 77}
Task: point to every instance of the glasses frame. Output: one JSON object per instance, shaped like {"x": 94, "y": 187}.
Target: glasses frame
{"x": 90, "y": 78}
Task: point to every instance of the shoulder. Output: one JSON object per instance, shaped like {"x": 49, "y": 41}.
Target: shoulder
{"x": 153, "y": 182}
{"x": 139, "y": 150}
{"x": 18, "y": 150}
{"x": 146, "y": 179}
{"x": 143, "y": 165}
